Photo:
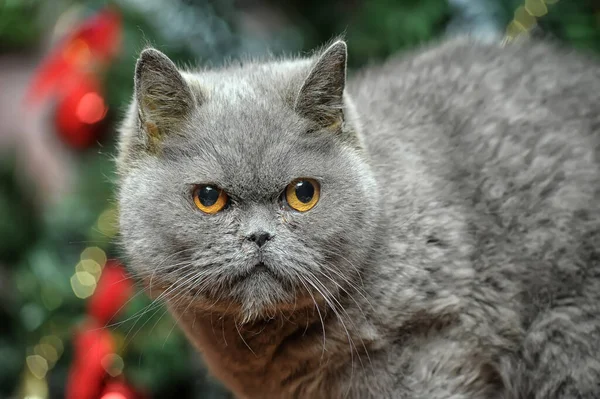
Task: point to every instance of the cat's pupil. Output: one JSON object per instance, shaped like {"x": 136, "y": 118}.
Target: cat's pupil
{"x": 208, "y": 195}
{"x": 304, "y": 191}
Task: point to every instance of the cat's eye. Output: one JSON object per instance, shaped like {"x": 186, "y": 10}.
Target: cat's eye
{"x": 302, "y": 194}
{"x": 210, "y": 199}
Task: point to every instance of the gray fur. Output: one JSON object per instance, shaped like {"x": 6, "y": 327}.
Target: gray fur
{"x": 454, "y": 252}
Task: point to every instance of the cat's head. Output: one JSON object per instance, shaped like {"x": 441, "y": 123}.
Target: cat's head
{"x": 246, "y": 188}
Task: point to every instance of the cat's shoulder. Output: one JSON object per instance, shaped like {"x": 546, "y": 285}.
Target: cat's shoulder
{"x": 466, "y": 65}
{"x": 469, "y": 55}
{"x": 469, "y": 50}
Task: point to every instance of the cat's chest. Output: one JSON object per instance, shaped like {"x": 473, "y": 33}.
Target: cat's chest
{"x": 266, "y": 361}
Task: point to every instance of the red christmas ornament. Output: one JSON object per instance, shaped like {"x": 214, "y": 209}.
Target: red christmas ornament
{"x": 71, "y": 73}
{"x": 80, "y": 112}
{"x": 91, "y": 44}
{"x": 119, "y": 389}
{"x": 101, "y": 33}
{"x": 88, "y": 377}
{"x": 112, "y": 292}
{"x": 87, "y": 374}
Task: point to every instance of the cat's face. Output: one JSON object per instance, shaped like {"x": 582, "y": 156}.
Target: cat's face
{"x": 248, "y": 202}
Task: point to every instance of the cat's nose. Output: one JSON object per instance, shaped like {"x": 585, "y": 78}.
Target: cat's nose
{"x": 260, "y": 237}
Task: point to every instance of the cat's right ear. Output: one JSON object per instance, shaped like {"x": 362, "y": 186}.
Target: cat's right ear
{"x": 163, "y": 97}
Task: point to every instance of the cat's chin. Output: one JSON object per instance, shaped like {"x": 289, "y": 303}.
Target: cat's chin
{"x": 258, "y": 297}
{"x": 261, "y": 294}
{"x": 258, "y": 274}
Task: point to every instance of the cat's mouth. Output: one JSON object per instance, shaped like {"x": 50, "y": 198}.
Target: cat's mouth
{"x": 258, "y": 289}
{"x": 261, "y": 267}
{"x": 260, "y": 270}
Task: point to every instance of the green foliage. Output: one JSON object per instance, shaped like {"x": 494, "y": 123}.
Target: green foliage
{"x": 374, "y": 29}
{"x": 574, "y": 22}
{"x": 17, "y": 27}
{"x": 16, "y": 209}
{"x": 383, "y": 27}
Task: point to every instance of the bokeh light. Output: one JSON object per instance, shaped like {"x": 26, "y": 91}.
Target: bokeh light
{"x": 91, "y": 108}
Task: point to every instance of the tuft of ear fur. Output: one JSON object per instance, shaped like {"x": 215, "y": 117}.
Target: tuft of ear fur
{"x": 321, "y": 98}
{"x": 162, "y": 95}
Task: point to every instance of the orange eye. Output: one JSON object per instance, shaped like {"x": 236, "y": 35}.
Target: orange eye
{"x": 210, "y": 199}
{"x": 302, "y": 194}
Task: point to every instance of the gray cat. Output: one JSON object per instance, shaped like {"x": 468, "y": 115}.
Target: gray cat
{"x": 429, "y": 229}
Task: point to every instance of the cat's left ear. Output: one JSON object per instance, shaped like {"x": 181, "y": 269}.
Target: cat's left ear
{"x": 321, "y": 98}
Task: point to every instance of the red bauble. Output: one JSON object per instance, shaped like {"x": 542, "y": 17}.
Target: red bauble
{"x": 112, "y": 292}
{"x": 80, "y": 112}
{"x": 93, "y": 343}
{"x": 71, "y": 72}
{"x": 87, "y": 374}
{"x": 93, "y": 43}
{"x": 101, "y": 33}
{"x": 118, "y": 389}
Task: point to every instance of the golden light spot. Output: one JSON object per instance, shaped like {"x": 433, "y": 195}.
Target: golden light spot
{"x": 524, "y": 18}
{"x": 86, "y": 278}
{"x": 515, "y": 29}
{"x": 108, "y": 222}
{"x": 83, "y": 290}
{"x": 537, "y": 8}
{"x": 33, "y": 387}
{"x": 48, "y": 352}
{"x": 94, "y": 253}
{"x": 113, "y": 364}
{"x": 37, "y": 365}
{"x": 89, "y": 266}
{"x": 53, "y": 341}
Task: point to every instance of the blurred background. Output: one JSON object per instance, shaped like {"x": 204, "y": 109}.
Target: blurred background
{"x": 71, "y": 323}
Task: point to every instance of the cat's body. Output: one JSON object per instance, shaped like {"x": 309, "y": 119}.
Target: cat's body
{"x": 454, "y": 252}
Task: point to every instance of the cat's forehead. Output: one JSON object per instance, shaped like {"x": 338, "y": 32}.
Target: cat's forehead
{"x": 251, "y": 165}
{"x": 248, "y": 110}
{"x": 248, "y": 118}
{"x": 248, "y": 147}
{"x": 264, "y": 89}
{"x": 252, "y": 154}
{"x": 251, "y": 76}
{"x": 246, "y": 135}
